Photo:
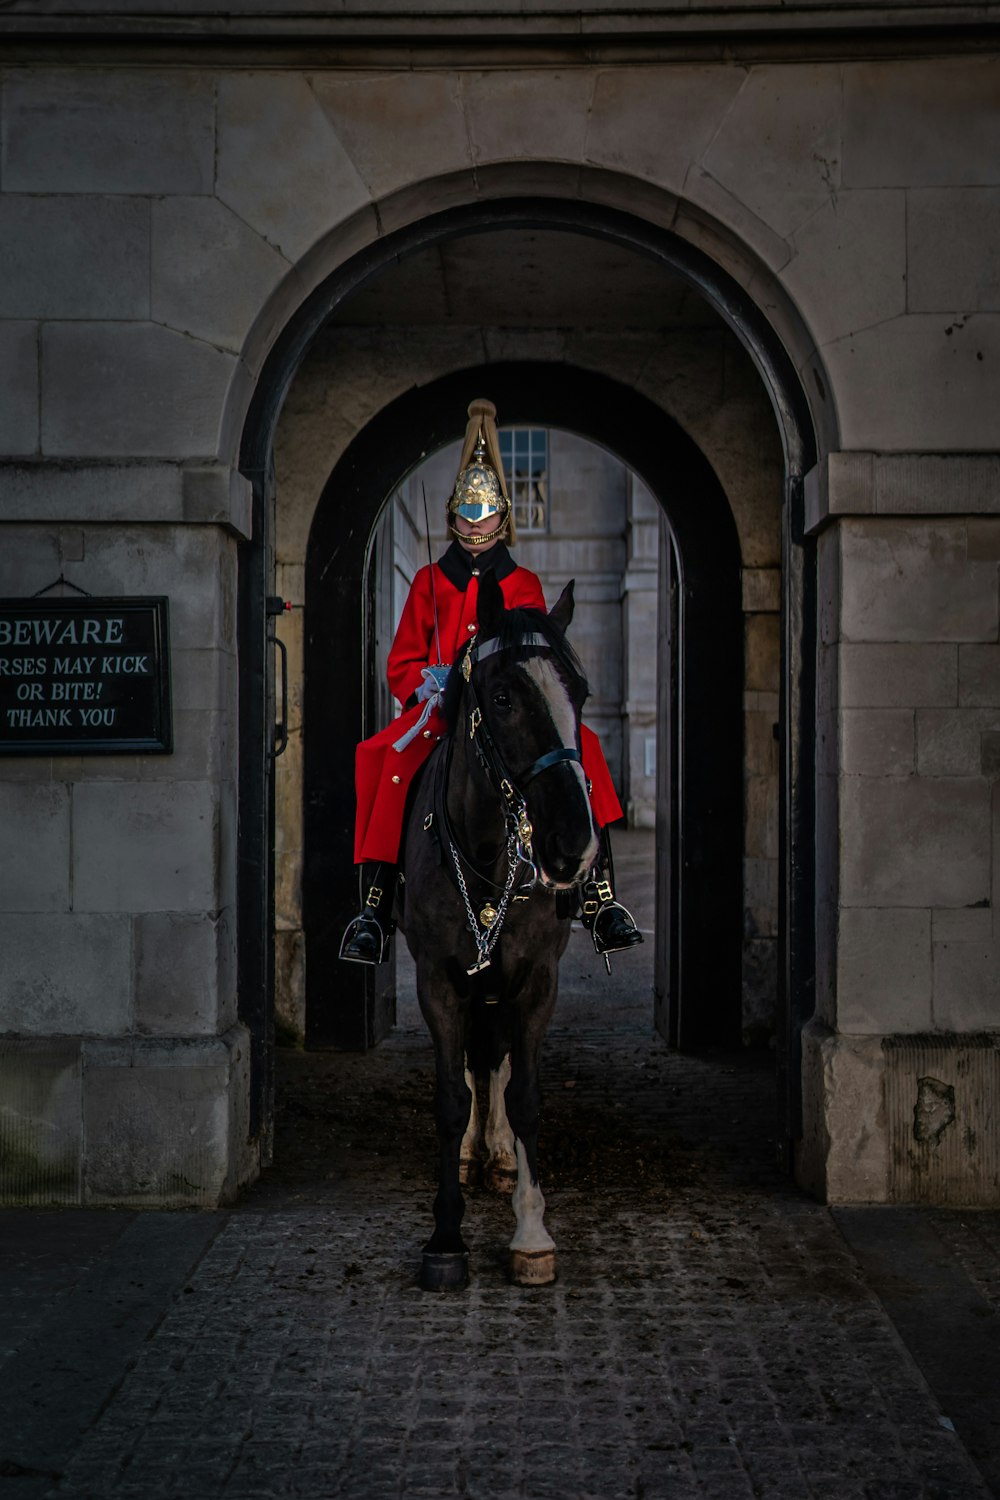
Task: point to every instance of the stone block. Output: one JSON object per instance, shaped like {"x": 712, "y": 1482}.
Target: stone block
{"x": 873, "y": 675}
{"x": 91, "y": 492}
{"x": 290, "y": 986}
{"x": 29, "y": 559}
{"x": 979, "y": 676}
{"x": 34, "y": 872}
{"x": 843, "y": 1154}
{"x": 759, "y": 987}
{"x": 915, "y": 842}
{"x": 73, "y": 257}
{"x": 849, "y": 266}
{"x": 204, "y": 750}
{"x": 760, "y": 748}
{"x": 194, "y": 566}
{"x": 778, "y": 147}
{"x": 211, "y": 273}
{"x": 288, "y": 797}
{"x": 19, "y": 433}
{"x": 877, "y": 741}
{"x": 118, "y": 130}
{"x": 653, "y": 122}
{"x": 391, "y": 125}
{"x": 883, "y": 971}
{"x": 715, "y": 203}
{"x": 762, "y": 652}
{"x": 40, "y": 1123}
{"x": 923, "y": 123}
{"x": 760, "y": 831}
{"x": 179, "y": 959}
{"x": 966, "y": 982}
{"x": 65, "y": 973}
{"x": 760, "y": 898}
{"x": 948, "y": 231}
{"x": 510, "y": 112}
{"x": 228, "y": 837}
{"x": 130, "y": 390}
{"x": 949, "y": 740}
{"x": 204, "y": 679}
{"x": 967, "y": 924}
{"x": 912, "y": 581}
{"x": 281, "y": 166}
{"x": 983, "y": 540}
{"x": 215, "y": 494}
{"x": 159, "y": 1120}
{"x": 940, "y": 371}
{"x": 153, "y": 846}
{"x": 990, "y": 754}
{"x": 761, "y": 590}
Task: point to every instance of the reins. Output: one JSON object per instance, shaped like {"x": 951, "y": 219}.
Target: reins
{"x": 517, "y": 824}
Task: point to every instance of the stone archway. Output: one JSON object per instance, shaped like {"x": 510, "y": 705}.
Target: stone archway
{"x": 788, "y": 401}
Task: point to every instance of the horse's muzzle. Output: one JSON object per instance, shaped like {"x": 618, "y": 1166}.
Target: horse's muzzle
{"x": 561, "y": 869}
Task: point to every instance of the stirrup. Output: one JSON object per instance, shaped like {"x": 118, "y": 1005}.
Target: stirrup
{"x": 629, "y": 938}
{"x": 365, "y": 926}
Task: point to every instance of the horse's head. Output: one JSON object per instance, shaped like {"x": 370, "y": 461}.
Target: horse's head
{"x": 529, "y": 688}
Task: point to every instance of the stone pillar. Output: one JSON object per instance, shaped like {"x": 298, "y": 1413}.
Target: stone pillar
{"x": 125, "y": 1070}
{"x": 901, "y": 1059}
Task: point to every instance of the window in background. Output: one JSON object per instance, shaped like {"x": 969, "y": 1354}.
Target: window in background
{"x": 525, "y": 454}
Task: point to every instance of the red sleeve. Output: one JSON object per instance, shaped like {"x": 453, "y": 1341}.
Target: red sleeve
{"x": 412, "y": 646}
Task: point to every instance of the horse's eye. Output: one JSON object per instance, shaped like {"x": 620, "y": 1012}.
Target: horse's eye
{"x": 501, "y": 700}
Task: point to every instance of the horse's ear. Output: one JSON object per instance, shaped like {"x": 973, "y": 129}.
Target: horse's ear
{"x": 561, "y": 612}
{"x": 490, "y": 606}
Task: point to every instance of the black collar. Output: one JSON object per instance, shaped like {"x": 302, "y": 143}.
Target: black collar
{"x": 458, "y": 566}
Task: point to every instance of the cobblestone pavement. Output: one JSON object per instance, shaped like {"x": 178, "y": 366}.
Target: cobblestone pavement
{"x": 713, "y": 1333}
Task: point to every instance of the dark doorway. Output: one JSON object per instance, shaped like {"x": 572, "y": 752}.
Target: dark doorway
{"x": 346, "y": 1006}
{"x": 365, "y": 478}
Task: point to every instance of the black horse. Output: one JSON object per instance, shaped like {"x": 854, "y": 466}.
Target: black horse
{"x": 499, "y": 826}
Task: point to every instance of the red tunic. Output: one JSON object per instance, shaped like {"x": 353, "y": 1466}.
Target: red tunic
{"x": 383, "y": 775}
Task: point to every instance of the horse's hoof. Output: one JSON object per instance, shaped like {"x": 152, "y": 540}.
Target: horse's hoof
{"x": 444, "y": 1272}
{"x": 532, "y": 1267}
{"x": 470, "y": 1171}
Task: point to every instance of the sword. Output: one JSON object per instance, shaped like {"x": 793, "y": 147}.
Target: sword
{"x": 430, "y": 564}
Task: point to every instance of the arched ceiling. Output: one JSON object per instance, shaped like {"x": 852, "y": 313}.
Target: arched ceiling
{"x": 529, "y": 278}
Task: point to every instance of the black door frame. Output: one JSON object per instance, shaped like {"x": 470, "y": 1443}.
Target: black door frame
{"x": 784, "y": 388}
{"x": 343, "y": 1007}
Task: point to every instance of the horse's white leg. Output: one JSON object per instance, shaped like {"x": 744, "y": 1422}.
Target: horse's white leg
{"x": 532, "y": 1250}
{"x": 501, "y": 1170}
{"x": 469, "y": 1161}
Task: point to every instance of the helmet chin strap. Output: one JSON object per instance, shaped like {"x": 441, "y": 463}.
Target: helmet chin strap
{"x": 478, "y": 541}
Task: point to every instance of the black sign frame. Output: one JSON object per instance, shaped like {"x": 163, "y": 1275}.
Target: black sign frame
{"x": 114, "y": 696}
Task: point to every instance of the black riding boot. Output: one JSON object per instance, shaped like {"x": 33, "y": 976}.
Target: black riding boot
{"x": 610, "y": 925}
{"x": 368, "y": 934}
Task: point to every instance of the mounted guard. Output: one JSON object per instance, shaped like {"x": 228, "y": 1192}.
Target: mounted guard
{"x": 438, "y": 619}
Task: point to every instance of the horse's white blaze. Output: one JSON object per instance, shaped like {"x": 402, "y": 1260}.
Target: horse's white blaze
{"x": 529, "y": 1210}
{"x": 557, "y": 700}
{"x": 499, "y": 1136}
{"x": 470, "y": 1140}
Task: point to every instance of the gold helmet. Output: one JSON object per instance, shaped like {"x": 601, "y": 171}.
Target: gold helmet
{"x": 480, "y": 491}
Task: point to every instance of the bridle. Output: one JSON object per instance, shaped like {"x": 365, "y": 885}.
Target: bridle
{"x": 510, "y": 788}
{"x": 511, "y": 793}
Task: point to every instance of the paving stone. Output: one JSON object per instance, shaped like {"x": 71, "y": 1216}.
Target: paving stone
{"x": 711, "y": 1332}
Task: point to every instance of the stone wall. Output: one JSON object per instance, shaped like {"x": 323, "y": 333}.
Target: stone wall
{"x": 162, "y": 221}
